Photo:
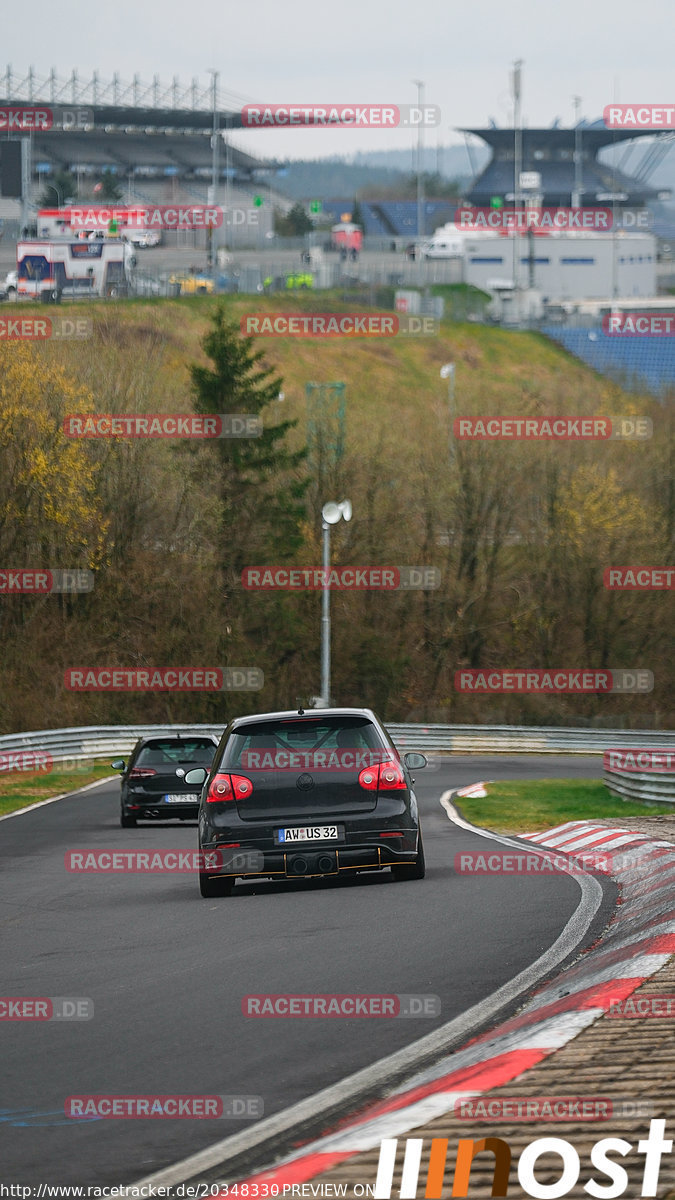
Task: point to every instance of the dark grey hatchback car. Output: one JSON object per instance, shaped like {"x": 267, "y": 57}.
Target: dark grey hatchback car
{"x": 302, "y": 794}
{"x": 153, "y": 785}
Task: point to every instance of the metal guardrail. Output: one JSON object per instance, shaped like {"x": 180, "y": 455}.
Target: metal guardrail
{"x": 509, "y": 739}
{"x": 101, "y": 742}
{"x": 647, "y": 787}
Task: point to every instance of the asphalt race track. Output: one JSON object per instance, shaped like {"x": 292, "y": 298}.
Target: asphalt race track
{"x": 167, "y": 972}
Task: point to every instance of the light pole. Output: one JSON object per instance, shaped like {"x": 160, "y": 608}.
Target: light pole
{"x": 576, "y": 195}
{"x": 229, "y": 241}
{"x": 213, "y": 199}
{"x": 330, "y": 514}
{"x": 517, "y": 167}
{"x": 420, "y": 176}
{"x": 448, "y": 372}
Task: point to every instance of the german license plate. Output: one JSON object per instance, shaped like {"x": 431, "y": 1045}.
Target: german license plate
{"x": 186, "y": 798}
{"x": 308, "y": 833}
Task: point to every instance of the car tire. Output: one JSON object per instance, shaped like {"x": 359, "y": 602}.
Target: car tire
{"x": 221, "y": 885}
{"x": 414, "y": 870}
{"x": 127, "y": 822}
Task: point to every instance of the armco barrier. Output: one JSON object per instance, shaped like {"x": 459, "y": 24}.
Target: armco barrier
{"x": 105, "y": 741}
{"x": 649, "y": 787}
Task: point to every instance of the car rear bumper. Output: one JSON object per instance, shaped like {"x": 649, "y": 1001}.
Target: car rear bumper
{"x": 158, "y": 810}
{"x": 314, "y": 859}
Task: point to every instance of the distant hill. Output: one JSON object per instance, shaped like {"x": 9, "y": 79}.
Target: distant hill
{"x": 320, "y": 179}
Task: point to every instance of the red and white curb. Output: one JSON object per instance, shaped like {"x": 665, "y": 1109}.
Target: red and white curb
{"x": 638, "y": 942}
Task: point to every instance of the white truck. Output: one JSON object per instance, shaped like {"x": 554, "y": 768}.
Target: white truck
{"x": 48, "y": 270}
{"x": 86, "y": 221}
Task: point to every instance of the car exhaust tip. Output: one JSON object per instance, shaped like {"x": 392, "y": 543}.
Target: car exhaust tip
{"x": 326, "y": 863}
{"x": 299, "y": 866}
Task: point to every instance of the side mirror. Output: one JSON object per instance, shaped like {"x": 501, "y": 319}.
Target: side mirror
{"x": 196, "y": 776}
{"x": 118, "y": 764}
{"x": 415, "y": 762}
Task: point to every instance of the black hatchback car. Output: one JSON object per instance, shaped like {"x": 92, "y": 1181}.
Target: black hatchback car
{"x": 301, "y": 794}
{"x": 153, "y": 781}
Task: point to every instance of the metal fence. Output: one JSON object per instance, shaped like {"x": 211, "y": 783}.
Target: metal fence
{"x": 101, "y": 742}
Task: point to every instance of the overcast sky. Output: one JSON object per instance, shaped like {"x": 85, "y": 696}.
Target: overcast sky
{"x": 360, "y": 50}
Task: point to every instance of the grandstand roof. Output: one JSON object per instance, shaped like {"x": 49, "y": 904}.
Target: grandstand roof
{"x": 551, "y": 153}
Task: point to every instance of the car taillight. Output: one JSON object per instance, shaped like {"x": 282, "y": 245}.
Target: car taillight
{"x": 225, "y": 788}
{"x": 368, "y": 778}
{"x": 141, "y": 772}
{"x": 242, "y": 787}
{"x": 391, "y": 776}
{"x": 386, "y": 777}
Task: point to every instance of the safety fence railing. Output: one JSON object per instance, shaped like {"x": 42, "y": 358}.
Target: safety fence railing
{"x": 642, "y": 766}
{"x": 98, "y": 742}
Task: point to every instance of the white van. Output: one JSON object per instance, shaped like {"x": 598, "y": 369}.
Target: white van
{"x": 451, "y": 242}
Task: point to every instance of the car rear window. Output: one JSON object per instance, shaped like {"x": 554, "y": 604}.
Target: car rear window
{"x": 334, "y": 733}
{"x": 176, "y": 750}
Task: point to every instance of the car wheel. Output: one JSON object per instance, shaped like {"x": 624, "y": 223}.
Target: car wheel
{"x": 414, "y": 870}
{"x": 127, "y": 822}
{"x": 221, "y": 885}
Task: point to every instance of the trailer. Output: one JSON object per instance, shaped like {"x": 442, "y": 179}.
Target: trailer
{"x": 48, "y": 270}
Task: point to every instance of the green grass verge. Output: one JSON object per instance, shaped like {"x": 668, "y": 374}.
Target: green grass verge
{"x": 20, "y": 791}
{"x": 529, "y": 805}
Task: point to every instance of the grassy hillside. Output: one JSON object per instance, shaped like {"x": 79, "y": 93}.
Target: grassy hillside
{"x": 521, "y": 532}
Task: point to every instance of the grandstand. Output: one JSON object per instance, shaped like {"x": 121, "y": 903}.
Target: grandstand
{"x": 636, "y": 363}
{"x": 153, "y": 137}
{"x": 550, "y": 152}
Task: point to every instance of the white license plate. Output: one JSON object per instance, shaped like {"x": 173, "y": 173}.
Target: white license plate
{"x": 186, "y": 798}
{"x": 308, "y": 833}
